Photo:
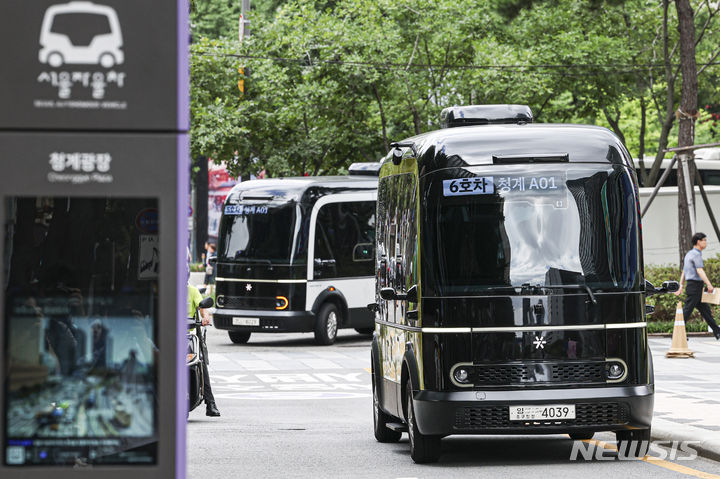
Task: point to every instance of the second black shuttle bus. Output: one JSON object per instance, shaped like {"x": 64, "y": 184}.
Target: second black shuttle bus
{"x": 297, "y": 255}
{"x": 510, "y": 290}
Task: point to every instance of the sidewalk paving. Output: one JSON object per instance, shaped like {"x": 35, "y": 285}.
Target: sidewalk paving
{"x": 687, "y": 395}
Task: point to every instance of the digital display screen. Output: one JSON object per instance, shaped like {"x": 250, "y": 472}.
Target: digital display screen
{"x": 80, "y": 286}
{"x": 238, "y": 210}
{"x": 543, "y": 189}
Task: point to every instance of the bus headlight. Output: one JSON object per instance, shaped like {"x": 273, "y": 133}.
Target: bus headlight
{"x": 220, "y": 301}
{"x": 461, "y": 375}
{"x": 615, "y": 371}
{"x": 281, "y": 302}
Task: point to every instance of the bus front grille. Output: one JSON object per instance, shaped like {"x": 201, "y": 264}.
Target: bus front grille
{"x": 560, "y": 372}
{"x": 240, "y": 302}
{"x": 586, "y": 414}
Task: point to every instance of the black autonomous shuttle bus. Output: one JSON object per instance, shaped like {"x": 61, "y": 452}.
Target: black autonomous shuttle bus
{"x": 510, "y": 295}
{"x": 297, "y": 255}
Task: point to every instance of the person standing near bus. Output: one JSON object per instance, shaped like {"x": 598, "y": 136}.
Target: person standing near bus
{"x": 193, "y": 301}
{"x": 695, "y": 276}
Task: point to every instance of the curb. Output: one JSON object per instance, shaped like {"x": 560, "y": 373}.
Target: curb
{"x": 693, "y": 334}
{"x": 706, "y": 443}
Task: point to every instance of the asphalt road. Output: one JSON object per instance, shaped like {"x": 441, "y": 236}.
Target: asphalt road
{"x": 293, "y": 409}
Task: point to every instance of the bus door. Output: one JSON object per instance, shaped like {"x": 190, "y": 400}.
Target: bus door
{"x": 397, "y": 241}
{"x": 341, "y": 251}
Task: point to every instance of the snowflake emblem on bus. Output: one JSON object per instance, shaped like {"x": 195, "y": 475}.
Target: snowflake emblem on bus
{"x": 248, "y": 287}
{"x": 540, "y": 342}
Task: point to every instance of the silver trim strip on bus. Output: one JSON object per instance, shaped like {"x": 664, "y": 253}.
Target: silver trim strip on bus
{"x": 640, "y": 324}
{"x": 446, "y": 330}
{"x": 241, "y": 280}
{"x": 512, "y": 329}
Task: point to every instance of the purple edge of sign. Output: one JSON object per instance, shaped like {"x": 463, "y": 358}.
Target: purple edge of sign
{"x": 183, "y": 152}
{"x": 183, "y": 149}
{"x": 183, "y": 65}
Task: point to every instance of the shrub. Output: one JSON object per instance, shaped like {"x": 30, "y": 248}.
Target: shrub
{"x": 197, "y": 267}
{"x": 667, "y": 326}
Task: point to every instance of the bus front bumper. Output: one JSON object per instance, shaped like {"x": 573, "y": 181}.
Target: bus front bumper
{"x": 266, "y": 321}
{"x": 487, "y": 412}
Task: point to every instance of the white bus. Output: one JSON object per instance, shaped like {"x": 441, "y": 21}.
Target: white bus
{"x": 297, "y": 255}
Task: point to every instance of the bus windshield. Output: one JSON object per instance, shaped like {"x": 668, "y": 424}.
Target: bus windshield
{"x": 259, "y": 233}
{"x": 507, "y": 227}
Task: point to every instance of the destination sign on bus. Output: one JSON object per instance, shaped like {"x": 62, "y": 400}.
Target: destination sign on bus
{"x": 480, "y": 185}
{"x": 487, "y": 185}
{"x": 240, "y": 210}
{"x": 507, "y": 184}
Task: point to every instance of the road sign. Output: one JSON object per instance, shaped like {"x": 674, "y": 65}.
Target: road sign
{"x": 92, "y": 66}
{"x": 94, "y": 109}
{"x": 105, "y": 295}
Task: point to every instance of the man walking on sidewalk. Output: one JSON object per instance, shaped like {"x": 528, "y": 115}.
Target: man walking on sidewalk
{"x": 695, "y": 276}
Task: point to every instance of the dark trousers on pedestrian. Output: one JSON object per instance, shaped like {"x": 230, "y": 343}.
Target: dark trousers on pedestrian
{"x": 209, "y": 398}
{"x": 208, "y": 394}
{"x": 693, "y": 300}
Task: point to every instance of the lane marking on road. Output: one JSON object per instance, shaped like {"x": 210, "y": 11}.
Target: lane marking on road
{"x": 288, "y": 386}
{"x": 660, "y": 462}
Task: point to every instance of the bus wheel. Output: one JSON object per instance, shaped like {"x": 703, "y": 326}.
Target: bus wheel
{"x": 239, "y": 337}
{"x": 55, "y": 60}
{"x": 423, "y": 449}
{"x": 380, "y": 420}
{"x": 581, "y": 436}
{"x": 365, "y": 330}
{"x": 107, "y": 60}
{"x": 327, "y": 324}
{"x": 634, "y": 443}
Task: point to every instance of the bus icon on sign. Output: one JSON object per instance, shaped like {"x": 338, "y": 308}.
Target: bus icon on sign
{"x": 81, "y": 33}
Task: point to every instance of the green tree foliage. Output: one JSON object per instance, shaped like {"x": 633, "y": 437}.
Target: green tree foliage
{"x": 218, "y": 128}
{"x": 214, "y": 18}
{"x": 335, "y": 81}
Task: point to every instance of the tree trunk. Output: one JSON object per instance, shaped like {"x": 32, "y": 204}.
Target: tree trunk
{"x": 614, "y": 121}
{"x": 665, "y": 129}
{"x": 668, "y": 118}
{"x": 413, "y": 110}
{"x": 201, "y": 205}
{"x": 641, "y": 140}
{"x": 383, "y": 120}
{"x": 686, "y": 115}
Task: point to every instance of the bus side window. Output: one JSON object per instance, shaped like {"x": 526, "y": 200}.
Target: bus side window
{"x": 382, "y": 232}
{"x": 710, "y": 177}
{"x": 408, "y": 236}
{"x": 671, "y": 179}
{"x": 324, "y": 266}
{"x": 350, "y": 232}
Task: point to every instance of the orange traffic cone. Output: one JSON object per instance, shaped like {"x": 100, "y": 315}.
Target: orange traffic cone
{"x": 679, "y": 347}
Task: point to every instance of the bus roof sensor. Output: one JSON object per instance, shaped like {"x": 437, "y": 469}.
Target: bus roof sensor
{"x": 485, "y": 115}
{"x": 531, "y": 158}
{"x": 369, "y": 168}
